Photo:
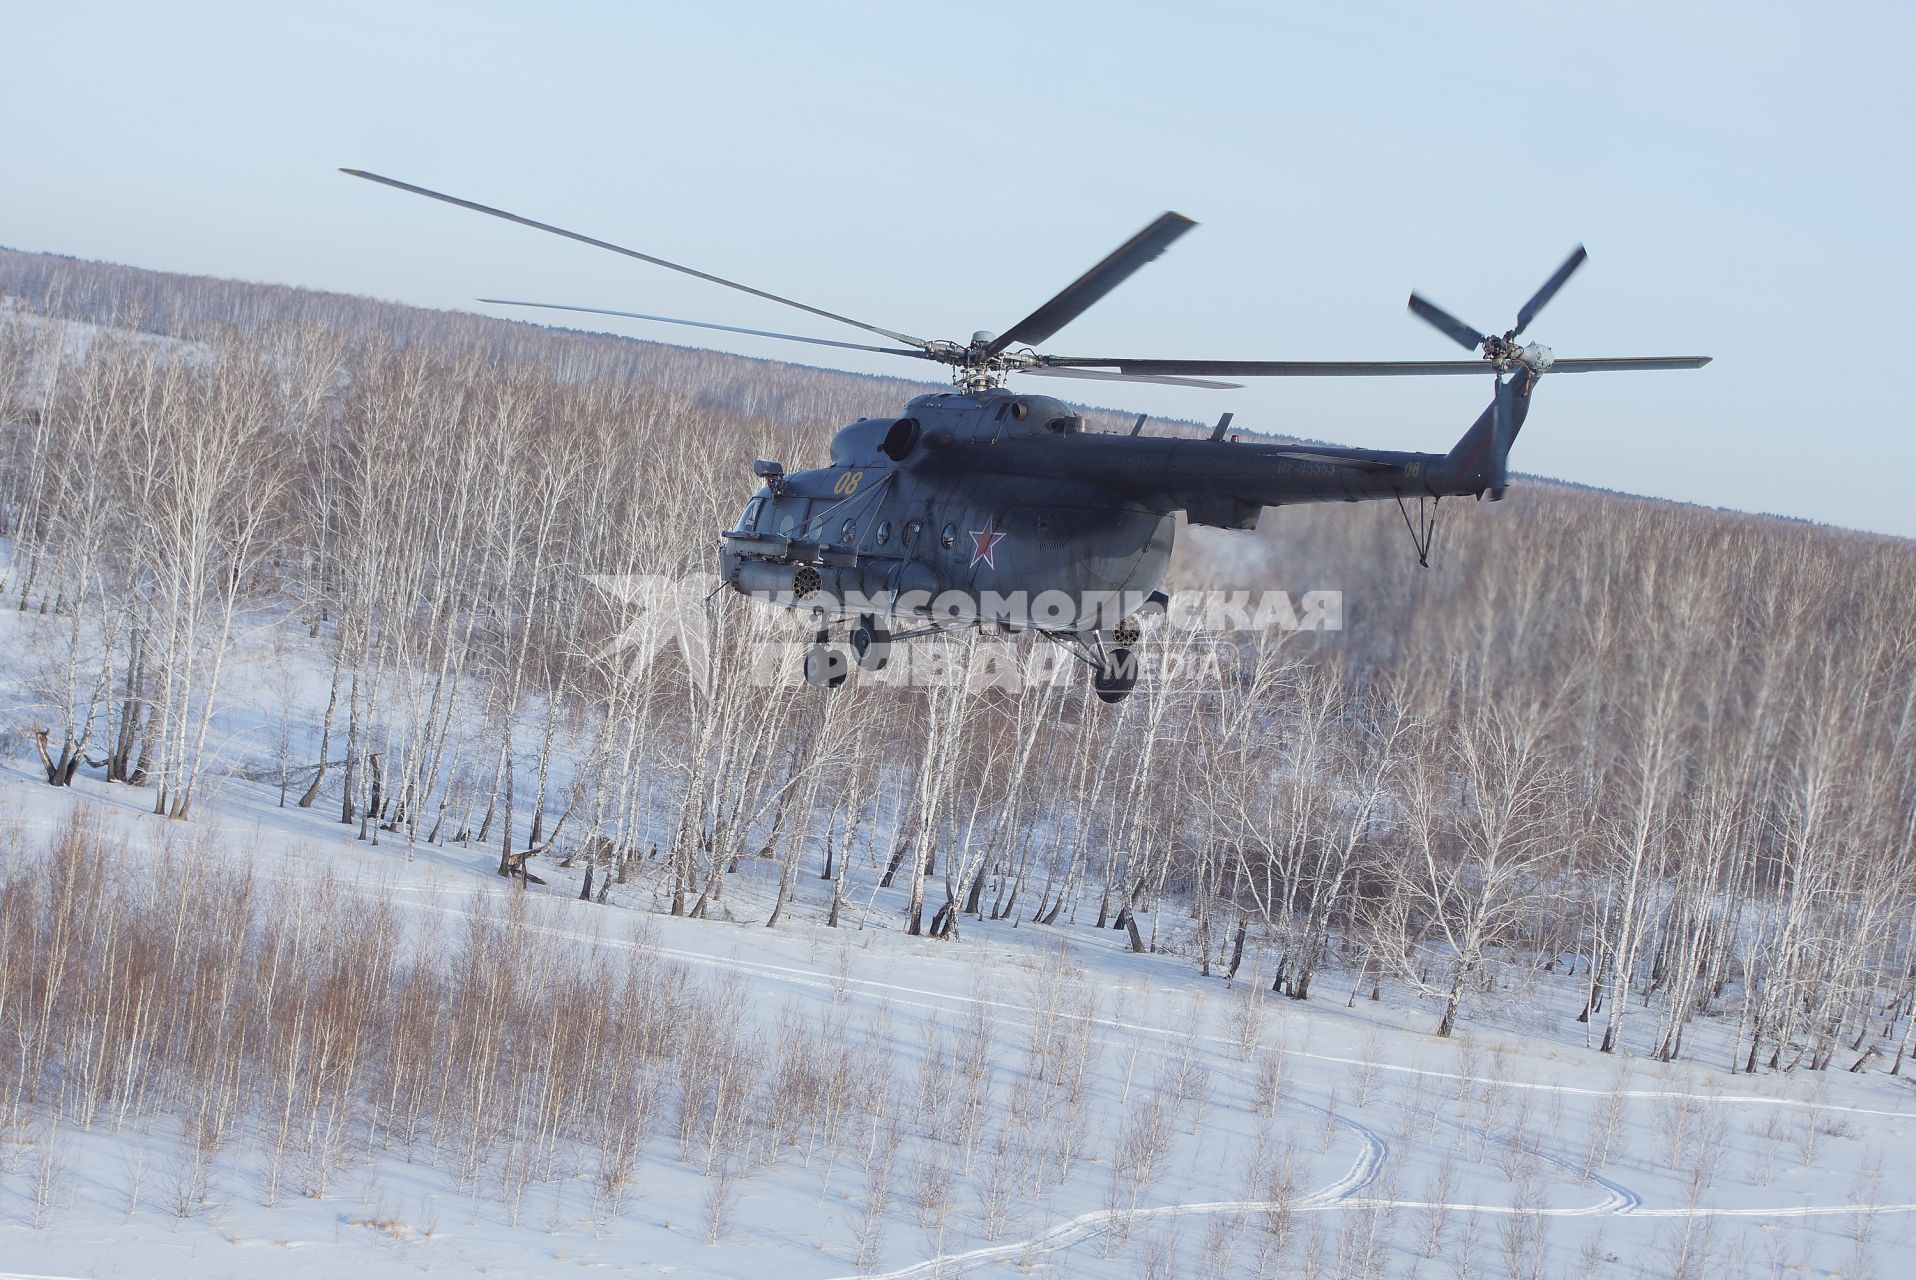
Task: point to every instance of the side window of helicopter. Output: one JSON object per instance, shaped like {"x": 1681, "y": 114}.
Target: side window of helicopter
{"x": 948, "y": 537}
{"x": 912, "y": 528}
{"x": 749, "y": 521}
{"x": 848, "y": 531}
{"x": 884, "y": 532}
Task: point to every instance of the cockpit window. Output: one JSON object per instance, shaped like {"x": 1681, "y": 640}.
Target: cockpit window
{"x": 748, "y": 522}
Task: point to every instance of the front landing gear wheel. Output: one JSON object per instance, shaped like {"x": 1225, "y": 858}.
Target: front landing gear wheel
{"x": 825, "y": 667}
{"x": 871, "y": 643}
{"x": 1117, "y": 676}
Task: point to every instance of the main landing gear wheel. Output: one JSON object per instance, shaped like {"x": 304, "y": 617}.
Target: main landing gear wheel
{"x": 1116, "y": 676}
{"x": 825, "y": 666}
{"x": 871, "y": 643}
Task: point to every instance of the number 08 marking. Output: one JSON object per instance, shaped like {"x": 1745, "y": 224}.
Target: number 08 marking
{"x": 848, "y": 483}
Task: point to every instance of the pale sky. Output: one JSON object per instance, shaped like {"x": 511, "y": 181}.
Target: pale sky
{"x": 1741, "y": 175}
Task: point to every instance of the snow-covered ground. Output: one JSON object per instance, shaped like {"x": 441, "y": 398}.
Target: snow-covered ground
{"x": 1217, "y": 1129}
{"x": 1302, "y": 1138}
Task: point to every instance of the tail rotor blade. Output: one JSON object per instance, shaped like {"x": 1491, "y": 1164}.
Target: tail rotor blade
{"x": 1445, "y": 323}
{"x": 1549, "y": 290}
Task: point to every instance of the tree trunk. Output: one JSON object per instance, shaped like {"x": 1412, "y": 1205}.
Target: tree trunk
{"x": 1237, "y": 951}
{"x": 53, "y": 771}
{"x": 325, "y": 741}
{"x": 977, "y": 891}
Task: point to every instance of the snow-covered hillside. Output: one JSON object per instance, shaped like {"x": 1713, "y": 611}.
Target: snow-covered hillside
{"x": 1031, "y": 1100}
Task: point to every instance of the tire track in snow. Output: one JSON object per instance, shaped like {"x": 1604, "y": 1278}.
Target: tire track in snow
{"x": 1089, "y": 1226}
{"x": 1784, "y": 1211}
{"x": 1364, "y": 1171}
{"x": 1621, "y": 1198}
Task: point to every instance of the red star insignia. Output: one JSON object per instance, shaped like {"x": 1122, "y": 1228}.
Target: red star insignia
{"x": 984, "y": 542}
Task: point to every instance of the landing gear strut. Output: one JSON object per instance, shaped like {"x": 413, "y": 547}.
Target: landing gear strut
{"x": 1114, "y": 668}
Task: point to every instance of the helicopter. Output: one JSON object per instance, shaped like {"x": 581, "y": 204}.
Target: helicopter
{"x": 984, "y": 507}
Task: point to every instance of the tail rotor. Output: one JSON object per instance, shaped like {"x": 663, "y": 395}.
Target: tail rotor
{"x": 1503, "y": 350}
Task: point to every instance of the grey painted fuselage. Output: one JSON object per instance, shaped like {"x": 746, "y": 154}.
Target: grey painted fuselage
{"x": 987, "y": 500}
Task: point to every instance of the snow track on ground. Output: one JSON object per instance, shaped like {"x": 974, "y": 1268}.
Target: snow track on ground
{"x": 1618, "y": 1199}
{"x": 1370, "y": 1162}
{"x": 1089, "y": 1226}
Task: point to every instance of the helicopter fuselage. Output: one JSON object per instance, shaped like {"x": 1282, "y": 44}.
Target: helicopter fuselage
{"x": 995, "y": 507}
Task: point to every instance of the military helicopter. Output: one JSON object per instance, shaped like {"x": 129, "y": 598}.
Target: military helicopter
{"x": 985, "y": 507}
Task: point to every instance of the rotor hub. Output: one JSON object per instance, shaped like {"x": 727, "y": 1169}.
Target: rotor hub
{"x": 1504, "y": 350}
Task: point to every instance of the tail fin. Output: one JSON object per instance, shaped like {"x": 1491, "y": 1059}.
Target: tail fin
{"x": 1479, "y": 459}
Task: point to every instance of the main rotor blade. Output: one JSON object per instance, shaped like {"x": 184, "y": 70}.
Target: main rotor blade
{"x": 1625, "y": 364}
{"x": 702, "y": 324}
{"x": 1102, "y": 375}
{"x": 905, "y": 338}
{"x": 1450, "y": 326}
{"x": 1277, "y": 368}
{"x": 1549, "y": 290}
{"x": 1360, "y": 368}
{"x": 1081, "y": 294}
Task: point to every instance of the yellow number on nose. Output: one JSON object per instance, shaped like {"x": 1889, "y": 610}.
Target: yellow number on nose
{"x": 848, "y": 483}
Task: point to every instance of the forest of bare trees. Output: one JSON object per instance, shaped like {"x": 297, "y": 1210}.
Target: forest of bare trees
{"x": 1667, "y": 752}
